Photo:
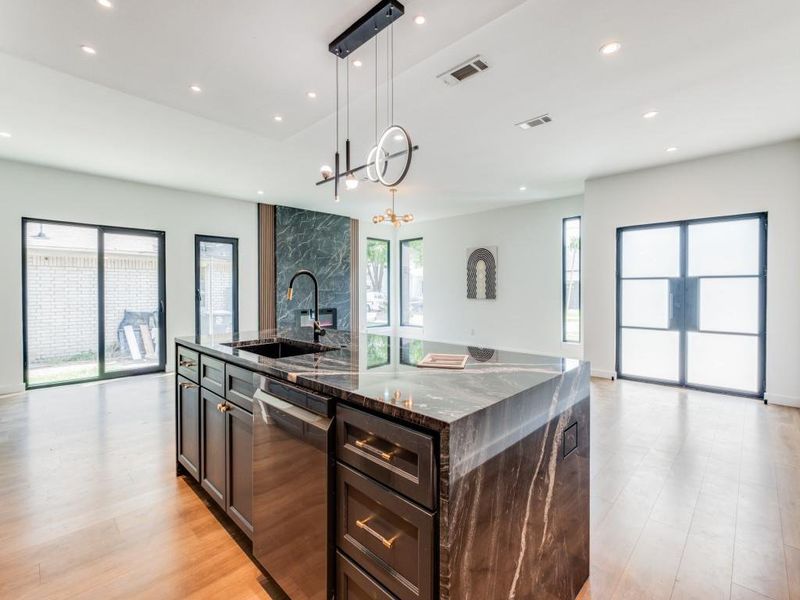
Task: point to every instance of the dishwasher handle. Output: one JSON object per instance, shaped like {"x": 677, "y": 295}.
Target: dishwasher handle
{"x": 292, "y": 419}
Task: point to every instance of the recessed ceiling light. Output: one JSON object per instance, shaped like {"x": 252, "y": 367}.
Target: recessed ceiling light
{"x": 278, "y": 118}
{"x": 88, "y": 50}
{"x": 358, "y": 64}
{"x": 196, "y": 89}
{"x": 311, "y": 95}
{"x": 5, "y": 134}
{"x": 419, "y": 20}
{"x": 105, "y": 3}
{"x": 260, "y": 192}
{"x": 650, "y": 114}
{"x": 672, "y": 149}
{"x": 522, "y": 188}
{"x": 610, "y": 48}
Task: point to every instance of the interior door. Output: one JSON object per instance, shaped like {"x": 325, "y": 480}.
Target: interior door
{"x": 691, "y": 303}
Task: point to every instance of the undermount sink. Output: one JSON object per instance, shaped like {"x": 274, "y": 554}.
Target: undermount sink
{"x": 280, "y": 347}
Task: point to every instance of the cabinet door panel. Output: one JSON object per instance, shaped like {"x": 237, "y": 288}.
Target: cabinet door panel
{"x": 239, "y": 430}
{"x": 188, "y": 418}
{"x": 212, "y": 473}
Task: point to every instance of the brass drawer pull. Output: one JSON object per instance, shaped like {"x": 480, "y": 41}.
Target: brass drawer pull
{"x": 185, "y": 385}
{"x": 363, "y": 525}
{"x": 187, "y": 363}
{"x": 223, "y": 408}
{"x": 387, "y": 456}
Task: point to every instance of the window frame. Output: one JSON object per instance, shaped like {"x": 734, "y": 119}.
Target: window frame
{"x": 103, "y": 375}
{"x": 564, "y": 307}
{"x": 198, "y": 239}
{"x": 388, "y": 281}
{"x": 400, "y": 259}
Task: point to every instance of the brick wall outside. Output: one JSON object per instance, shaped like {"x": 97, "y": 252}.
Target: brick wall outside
{"x": 62, "y": 301}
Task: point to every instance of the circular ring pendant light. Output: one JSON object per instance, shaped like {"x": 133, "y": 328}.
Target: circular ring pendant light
{"x": 372, "y": 159}
{"x": 392, "y": 130}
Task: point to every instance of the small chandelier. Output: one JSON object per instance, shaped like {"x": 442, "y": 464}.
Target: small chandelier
{"x": 392, "y": 218}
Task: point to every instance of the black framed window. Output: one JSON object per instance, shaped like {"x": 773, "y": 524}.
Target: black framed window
{"x": 94, "y": 303}
{"x": 691, "y": 303}
{"x": 378, "y": 283}
{"x": 216, "y": 279}
{"x": 571, "y": 280}
{"x": 411, "y": 282}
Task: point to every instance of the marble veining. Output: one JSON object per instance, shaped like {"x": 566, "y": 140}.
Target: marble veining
{"x": 319, "y": 242}
{"x": 513, "y": 508}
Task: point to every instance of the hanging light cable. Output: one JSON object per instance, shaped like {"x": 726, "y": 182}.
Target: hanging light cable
{"x": 336, "y": 156}
{"x": 350, "y": 180}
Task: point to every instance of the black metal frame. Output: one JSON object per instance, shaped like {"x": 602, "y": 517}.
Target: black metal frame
{"x": 370, "y": 24}
{"x": 564, "y": 279}
{"x": 162, "y": 301}
{"x": 388, "y": 280}
{"x": 680, "y": 324}
{"x": 198, "y": 239}
{"x": 400, "y": 263}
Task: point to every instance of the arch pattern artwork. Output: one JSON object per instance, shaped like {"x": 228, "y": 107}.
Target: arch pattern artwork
{"x": 482, "y": 273}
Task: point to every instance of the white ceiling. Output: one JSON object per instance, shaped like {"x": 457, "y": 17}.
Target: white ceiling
{"x": 723, "y": 75}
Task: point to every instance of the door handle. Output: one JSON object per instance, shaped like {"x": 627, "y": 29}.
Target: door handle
{"x": 671, "y": 304}
{"x": 185, "y": 385}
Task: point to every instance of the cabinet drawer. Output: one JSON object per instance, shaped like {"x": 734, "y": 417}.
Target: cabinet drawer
{"x": 188, "y": 364}
{"x": 240, "y": 385}
{"x": 212, "y": 374}
{"x": 388, "y": 536}
{"x": 354, "y": 584}
{"x": 394, "y": 455}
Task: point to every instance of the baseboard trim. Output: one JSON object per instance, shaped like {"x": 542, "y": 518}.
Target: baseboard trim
{"x": 604, "y": 374}
{"x": 782, "y": 400}
{"x": 6, "y": 390}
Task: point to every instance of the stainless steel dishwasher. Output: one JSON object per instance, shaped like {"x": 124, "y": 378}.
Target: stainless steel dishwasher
{"x": 293, "y": 536}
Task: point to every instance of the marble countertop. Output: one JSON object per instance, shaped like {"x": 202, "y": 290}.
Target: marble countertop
{"x": 380, "y": 371}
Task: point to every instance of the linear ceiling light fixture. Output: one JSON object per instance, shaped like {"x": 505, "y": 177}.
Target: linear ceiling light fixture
{"x": 393, "y": 146}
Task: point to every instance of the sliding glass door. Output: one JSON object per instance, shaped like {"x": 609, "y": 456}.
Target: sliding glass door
{"x": 216, "y": 285}
{"x": 691, "y": 303}
{"x": 93, "y": 301}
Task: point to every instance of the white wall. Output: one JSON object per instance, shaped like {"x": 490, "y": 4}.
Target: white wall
{"x": 755, "y": 180}
{"x": 527, "y": 313}
{"x": 39, "y": 192}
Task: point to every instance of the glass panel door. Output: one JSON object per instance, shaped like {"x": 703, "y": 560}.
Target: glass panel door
{"x": 216, "y": 285}
{"x": 691, "y": 303}
{"x": 61, "y": 312}
{"x": 93, "y": 302}
{"x": 724, "y": 286}
{"x": 649, "y": 282}
{"x": 132, "y": 301}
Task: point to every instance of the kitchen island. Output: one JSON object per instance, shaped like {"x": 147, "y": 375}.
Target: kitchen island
{"x": 451, "y": 484}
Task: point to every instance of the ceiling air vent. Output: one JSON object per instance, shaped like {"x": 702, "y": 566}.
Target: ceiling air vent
{"x": 463, "y": 71}
{"x": 535, "y": 121}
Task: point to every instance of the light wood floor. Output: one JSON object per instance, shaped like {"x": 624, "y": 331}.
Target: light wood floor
{"x": 693, "y": 496}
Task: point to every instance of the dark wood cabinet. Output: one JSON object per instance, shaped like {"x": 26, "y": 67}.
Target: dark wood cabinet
{"x": 213, "y": 444}
{"x": 240, "y": 385}
{"x": 352, "y": 583}
{"x": 188, "y": 425}
{"x": 391, "y": 538}
{"x": 212, "y": 374}
{"x": 239, "y": 462}
{"x": 394, "y": 455}
{"x": 188, "y": 363}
